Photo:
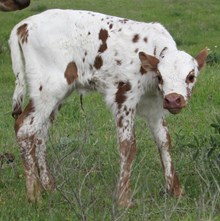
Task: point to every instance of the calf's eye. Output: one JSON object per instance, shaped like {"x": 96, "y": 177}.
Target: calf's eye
{"x": 190, "y": 78}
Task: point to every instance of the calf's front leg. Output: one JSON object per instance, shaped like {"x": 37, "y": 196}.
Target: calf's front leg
{"x": 127, "y": 150}
{"x": 162, "y": 137}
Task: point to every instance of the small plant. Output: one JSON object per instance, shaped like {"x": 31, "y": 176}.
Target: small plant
{"x": 216, "y": 125}
{"x": 213, "y": 57}
{"x": 202, "y": 147}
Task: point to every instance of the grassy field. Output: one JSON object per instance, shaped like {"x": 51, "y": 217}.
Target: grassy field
{"x": 82, "y": 147}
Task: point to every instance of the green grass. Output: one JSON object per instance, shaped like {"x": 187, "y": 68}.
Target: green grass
{"x": 82, "y": 147}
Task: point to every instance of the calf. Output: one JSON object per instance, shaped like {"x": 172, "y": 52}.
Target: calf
{"x": 135, "y": 65}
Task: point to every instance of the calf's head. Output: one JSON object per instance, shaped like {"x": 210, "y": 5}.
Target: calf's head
{"x": 175, "y": 73}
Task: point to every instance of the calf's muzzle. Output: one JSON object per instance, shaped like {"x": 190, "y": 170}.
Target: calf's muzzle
{"x": 174, "y": 103}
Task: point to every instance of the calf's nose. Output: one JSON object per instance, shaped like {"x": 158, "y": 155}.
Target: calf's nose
{"x": 174, "y": 103}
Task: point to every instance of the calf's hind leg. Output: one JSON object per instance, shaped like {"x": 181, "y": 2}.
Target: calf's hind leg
{"x": 26, "y": 140}
{"x": 31, "y": 129}
{"x": 46, "y": 178}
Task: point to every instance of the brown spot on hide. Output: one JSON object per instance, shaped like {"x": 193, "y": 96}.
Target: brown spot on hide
{"x": 98, "y": 62}
{"x": 136, "y": 50}
{"x": 127, "y": 112}
{"x": 102, "y": 48}
{"x": 145, "y": 40}
{"x": 118, "y": 62}
{"x": 40, "y": 88}
{"x": 32, "y": 121}
{"x": 120, "y": 96}
{"x": 89, "y": 33}
{"x": 71, "y": 72}
{"x": 27, "y": 111}
{"x": 103, "y": 35}
{"x": 22, "y": 33}
{"x": 136, "y": 38}
{"x": 120, "y": 124}
{"x": 110, "y": 26}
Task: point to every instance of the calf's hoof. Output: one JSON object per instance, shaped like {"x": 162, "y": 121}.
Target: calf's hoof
{"x": 35, "y": 197}
{"x": 126, "y": 203}
{"x": 178, "y": 193}
{"x": 50, "y": 186}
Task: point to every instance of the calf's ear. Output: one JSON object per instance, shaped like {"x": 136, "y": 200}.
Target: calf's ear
{"x": 148, "y": 62}
{"x": 201, "y": 58}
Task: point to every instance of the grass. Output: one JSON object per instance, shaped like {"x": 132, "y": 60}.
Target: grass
{"x": 82, "y": 147}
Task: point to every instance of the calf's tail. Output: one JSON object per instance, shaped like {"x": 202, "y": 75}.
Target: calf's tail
{"x": 18, "y": 66}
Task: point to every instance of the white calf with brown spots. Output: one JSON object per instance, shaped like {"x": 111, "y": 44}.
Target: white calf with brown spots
{"x": 135, "y": 65}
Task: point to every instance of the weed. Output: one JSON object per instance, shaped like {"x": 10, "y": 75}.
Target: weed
{"x": 213, "y": 57}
